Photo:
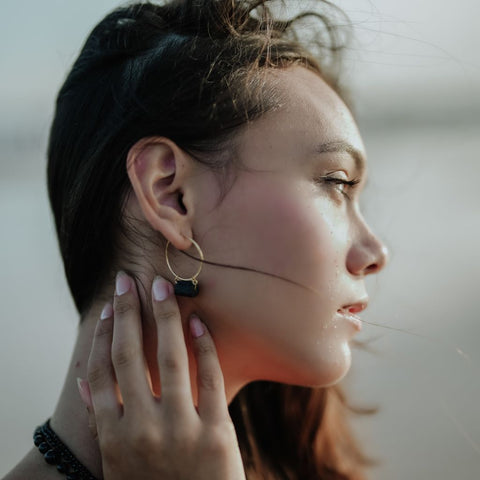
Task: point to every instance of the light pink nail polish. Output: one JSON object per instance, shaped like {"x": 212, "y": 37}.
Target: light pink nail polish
{"x": 84, "y": 390}
{"x": 107, "y": 312}
{"x": 161, "y": 289}
{"x": 122, "y": 283}
{"x": 197, "y": 328}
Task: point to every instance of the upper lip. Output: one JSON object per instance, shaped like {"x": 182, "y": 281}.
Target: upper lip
{"x": 356, "y": 307}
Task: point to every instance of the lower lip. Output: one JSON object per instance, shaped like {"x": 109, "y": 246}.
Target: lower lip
{"x": 353, "y": 319}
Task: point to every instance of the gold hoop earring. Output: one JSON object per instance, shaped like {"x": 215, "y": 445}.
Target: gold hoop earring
{"x": 186, "y": 287}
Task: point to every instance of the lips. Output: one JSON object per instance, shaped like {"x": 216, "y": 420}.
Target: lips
{"x": 355, "y": 308}
{"x": 349, "y": 312}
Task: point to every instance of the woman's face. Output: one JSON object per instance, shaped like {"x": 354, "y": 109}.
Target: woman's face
{"x": 289, "y": 214}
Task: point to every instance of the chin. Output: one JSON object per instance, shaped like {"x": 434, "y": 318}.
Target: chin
{"x": 331, "y": 369}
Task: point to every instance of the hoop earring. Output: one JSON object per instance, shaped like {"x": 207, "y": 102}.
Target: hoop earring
{"x": 186, "y": 287}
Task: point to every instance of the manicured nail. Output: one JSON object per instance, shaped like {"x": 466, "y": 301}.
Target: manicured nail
{"x": 197, "y": 328}
{"x": 84, "y": 390}
{"x": 107, "y": 311}
{"x": 122, "y": 283}
{"x": 161, "y": 289}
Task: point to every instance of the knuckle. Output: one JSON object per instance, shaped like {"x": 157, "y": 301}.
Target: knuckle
{"x": 216, "y": 444}
{"x": 181, "y": 437}
{"x": 104, "y": 328}
{"x": 146, "y": 439}
{"x": 210, "y": 381}
{"x": 122, "y": 307}
{"x": 168, "y": 314}
{"x": 205, "y": 348}
{"x": 96, "y": 375}
{"x": 124, "y": 355}
{"x": 170, "y": 362}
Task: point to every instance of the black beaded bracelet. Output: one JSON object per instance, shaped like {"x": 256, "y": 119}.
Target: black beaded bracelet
{"x": 55, "y": 452}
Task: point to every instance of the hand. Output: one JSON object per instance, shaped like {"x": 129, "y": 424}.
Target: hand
{"x": 142, "y": 436}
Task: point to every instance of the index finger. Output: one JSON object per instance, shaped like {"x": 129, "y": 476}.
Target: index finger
{"x": 127, "y": 345}
{"x": 101, "y": 379}
{"x": 171, "y": 350}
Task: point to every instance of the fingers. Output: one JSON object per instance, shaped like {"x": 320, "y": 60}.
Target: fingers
{"x": 127, "y": 345}
{"x": 117, "y": 358}
{"x": 173, "y": 358}
{"x": 212, "y": 403}
{"x": 171, "y": 351}
{"x": 86, "y": 396}
{"x": 101, "y": 378}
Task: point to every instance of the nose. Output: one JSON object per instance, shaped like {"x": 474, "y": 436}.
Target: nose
{"x": 367, "y": 254}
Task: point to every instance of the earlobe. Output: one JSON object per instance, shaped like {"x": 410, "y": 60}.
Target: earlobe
{"x": 157, "y": 169}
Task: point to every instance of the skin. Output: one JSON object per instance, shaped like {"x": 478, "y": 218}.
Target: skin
{"x": 283, "y": 215}
{"x": 290, "y": 224}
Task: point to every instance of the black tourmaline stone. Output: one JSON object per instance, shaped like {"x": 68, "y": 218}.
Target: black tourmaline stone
{"x": 51, "y": 457}
{"x": 43, "y": 447}
{"x": 186, "y": 288}
{"x": 55, "y": 452}
{"x": 38, "y": 439}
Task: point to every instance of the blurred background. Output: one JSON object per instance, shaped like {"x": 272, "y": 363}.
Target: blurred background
{"x": 414, "y": 72}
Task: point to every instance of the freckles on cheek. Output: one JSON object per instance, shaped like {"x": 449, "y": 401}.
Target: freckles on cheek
{"x": 293, "y": 234}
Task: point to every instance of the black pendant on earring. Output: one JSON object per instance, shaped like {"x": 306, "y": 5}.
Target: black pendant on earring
{"x": 186, "y": 288}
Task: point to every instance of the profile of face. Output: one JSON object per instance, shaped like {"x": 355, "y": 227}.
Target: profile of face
{"x": 293, "y": 212}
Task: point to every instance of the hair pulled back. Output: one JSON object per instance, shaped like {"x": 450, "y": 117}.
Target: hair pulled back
{"x": 194, "y": 71}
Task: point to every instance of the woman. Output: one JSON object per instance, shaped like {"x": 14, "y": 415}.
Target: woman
{"x": 199, "y": 147}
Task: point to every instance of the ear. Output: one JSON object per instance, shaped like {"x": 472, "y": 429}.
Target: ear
{"x": 158, "y": 170}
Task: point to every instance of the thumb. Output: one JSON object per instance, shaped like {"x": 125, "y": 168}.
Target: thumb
{"x": 92, "y": 424}
{"x": 86, "y": 396}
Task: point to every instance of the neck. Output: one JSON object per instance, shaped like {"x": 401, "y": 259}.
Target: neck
{"x": 70, "y": 418}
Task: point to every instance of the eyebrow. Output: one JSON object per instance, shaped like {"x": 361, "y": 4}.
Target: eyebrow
{"x": 340, "y": 146}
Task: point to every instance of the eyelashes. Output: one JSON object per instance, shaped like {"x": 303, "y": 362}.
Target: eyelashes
{"x": 342, "y": 185}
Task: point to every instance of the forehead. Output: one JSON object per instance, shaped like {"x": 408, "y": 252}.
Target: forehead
{"x": 310, "y": 115}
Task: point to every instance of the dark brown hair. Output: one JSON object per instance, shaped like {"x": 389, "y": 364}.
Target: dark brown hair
{"x": 194, "y": 71}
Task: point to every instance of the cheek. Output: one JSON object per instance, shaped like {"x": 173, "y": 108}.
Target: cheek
{"x": 280, "y": 230}
{"x": 296, "y": 237}
{"x": 285, "y": 327}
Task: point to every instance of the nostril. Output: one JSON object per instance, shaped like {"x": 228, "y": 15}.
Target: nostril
{"x": 372, "y": 268}
{"x": 366, "y": 259}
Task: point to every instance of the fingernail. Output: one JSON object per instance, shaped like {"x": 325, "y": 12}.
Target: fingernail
{"x": 84, "y": 391}
{"x": 197, "y": 328}
{"x": 107, "y": 311}
{"x": 122, "y": 283}
{"x": 161, "y": 289}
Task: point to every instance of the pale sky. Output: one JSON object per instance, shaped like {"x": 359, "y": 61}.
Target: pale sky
{"x": 417, "y": 47}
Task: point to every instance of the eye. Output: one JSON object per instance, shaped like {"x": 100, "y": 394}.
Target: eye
{"x": 340, "y": 182}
